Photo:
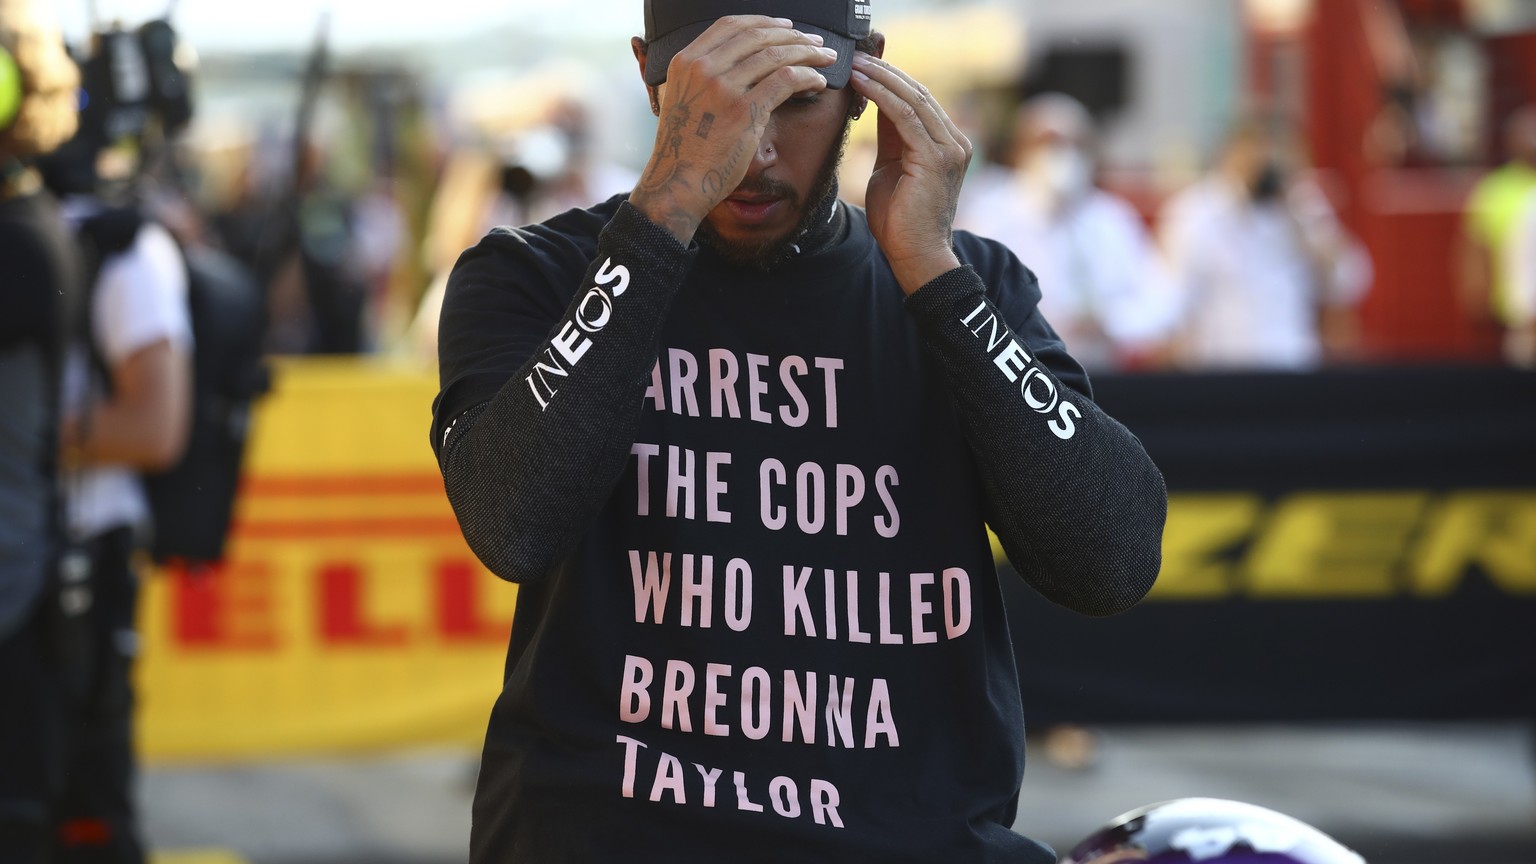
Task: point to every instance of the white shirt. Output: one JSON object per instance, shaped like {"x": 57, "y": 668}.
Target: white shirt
{"x": 1104, "y": 288}
{"x": 140, "y": 298}
{"x": 598, "y": 182}
{"x": 1247, "y": 291}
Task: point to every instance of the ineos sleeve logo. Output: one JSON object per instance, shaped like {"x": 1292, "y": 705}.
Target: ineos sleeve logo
{"x": 1037, "y": 388}
{"x": 592, "y": 313}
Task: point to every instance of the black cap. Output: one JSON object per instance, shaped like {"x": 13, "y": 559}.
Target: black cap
{"x": 671, "y": 25}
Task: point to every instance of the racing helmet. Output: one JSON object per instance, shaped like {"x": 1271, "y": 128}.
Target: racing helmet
{"x": 1209, "y": 831}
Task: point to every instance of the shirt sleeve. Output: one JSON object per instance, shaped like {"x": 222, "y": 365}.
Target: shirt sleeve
{"x": 539, "y": 405}
{"x": 1349, "y": 278}
{"x": 1072, "y": 494}
{"x": 141, "y": 297}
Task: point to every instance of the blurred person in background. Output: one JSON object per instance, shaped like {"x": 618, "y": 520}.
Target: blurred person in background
{"x": 1103, "y": 285}
{"x": 1519, "y": 309}
{"x": 300, "y": 235}
{"x": 550, "y": 168}
{"x": 537, "y": 173}
{"x": 127, "y": 404}
{"x": 316, "y": 282}
{"x": 1492, "y": 239}
{"x": 39, "y": 279}
{"x": 1265, "y": 277}
{"x": 732, "y": 315}
{"x": 239, "y": 220}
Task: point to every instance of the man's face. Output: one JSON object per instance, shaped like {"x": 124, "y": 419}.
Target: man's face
{"x": 793, "y": 170}
{"x": 1247, "y": 157}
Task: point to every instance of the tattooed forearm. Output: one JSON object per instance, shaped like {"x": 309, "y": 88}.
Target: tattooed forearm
{"x": 677, "y": 221}
{"x": 705, "y": 122}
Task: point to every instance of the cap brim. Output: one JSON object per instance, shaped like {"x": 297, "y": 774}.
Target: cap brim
{"x": 660, "y": 51}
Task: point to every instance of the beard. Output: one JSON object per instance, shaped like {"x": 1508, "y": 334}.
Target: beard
{"x": 765, "y": 255}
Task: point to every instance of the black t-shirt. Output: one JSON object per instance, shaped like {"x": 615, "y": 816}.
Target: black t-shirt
{"x": 777, "y": 632}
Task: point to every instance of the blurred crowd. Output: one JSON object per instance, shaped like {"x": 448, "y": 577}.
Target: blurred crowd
{"x": 350, "y": 229}
{"x": 1250, "y": 268}
{"x": 1245, "y": 265}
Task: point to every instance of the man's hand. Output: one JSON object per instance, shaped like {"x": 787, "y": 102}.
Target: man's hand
{"x": 919, "y": 166}
{"x": 719, "y": 94}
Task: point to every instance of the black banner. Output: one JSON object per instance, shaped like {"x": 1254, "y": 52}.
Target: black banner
{"x": 1342, "y": 545}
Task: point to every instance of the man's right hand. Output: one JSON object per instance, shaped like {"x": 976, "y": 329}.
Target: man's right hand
{"x": 715, "y": 105}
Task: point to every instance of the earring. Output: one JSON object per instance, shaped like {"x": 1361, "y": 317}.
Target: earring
{"x": 858, "y": 107}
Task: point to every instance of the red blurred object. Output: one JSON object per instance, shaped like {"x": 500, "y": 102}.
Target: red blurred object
{"x": 77, "y": 833}
{"x": 1511, "y": 84}
{"x": 1444, "y": 13}
{"x": 1341, "y": 73}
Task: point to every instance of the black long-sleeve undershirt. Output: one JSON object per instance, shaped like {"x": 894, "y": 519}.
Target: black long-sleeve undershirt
{"x": 1081, "y": 518}
{"x": 528, "y": 471}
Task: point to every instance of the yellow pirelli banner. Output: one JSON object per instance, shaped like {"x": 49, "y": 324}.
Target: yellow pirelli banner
{"x": 349, "y": 614}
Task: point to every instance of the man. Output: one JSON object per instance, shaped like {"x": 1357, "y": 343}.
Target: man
{"x": 1491, "y": 233}
{"x": 38, "y": 83}
{"x": 127, "y": 409}
{"x": 1104, "y": 287}
{"x": 1264, "y": 275}
{"x": 741, "y": 481}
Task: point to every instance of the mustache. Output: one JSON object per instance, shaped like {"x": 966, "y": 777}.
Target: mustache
{"x": 767, "y": 187}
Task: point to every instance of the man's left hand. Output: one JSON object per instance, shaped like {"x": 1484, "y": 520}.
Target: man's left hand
{"x": 919, "y": 166}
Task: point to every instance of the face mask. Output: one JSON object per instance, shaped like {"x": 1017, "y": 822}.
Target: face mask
{"x": 1269, "y": 184}
{"x": 1064, "y": 172}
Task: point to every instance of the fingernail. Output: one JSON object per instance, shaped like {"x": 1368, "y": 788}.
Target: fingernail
{"x": 859, "y": 75}
{"x": 814, "y": 38}
{"x": 783, "y": 22}
{"x": 860, "y": 58}
{"x": 829, "y": 52}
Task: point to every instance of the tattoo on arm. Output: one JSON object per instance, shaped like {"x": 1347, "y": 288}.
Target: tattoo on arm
{"x": 951, "y": 201}
{"x": 705, "y": 123}
{"x": 669, "y": 144}
{"x": 713, "y": 182}
{"x": 677, "y": 221}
